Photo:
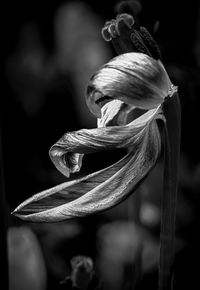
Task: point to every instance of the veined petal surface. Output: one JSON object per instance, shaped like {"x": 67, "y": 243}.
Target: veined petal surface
{"x": 134, "y": 78}
{"x": 103, "y": 189}
{"x": 68, "y": 152}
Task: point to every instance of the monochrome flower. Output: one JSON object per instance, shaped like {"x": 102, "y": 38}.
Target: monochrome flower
{"x": 126, "y": 95}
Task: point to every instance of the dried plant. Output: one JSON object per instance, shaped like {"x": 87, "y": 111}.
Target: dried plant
{"x": 137, "y": 107}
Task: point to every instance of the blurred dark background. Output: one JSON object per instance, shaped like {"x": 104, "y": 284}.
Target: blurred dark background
{"x": 50, "y": 50}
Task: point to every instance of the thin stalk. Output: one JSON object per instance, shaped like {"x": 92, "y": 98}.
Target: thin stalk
{"x": 136, "y": 203}
{"x": 3, "y": 227}
{"x": 171, "y": 109}
{"x": 135, "y": 268}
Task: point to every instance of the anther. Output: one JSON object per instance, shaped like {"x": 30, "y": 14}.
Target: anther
{"x": 150, "y": 43}
{"x": 138, "y": 43}
{"x": 112, "y": 29}
{"x": 105, "y": 34}
{"x": 127, "y": 18}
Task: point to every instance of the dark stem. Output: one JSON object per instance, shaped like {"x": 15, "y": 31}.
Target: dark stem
{"x": 172, "y": 128}
{"x": 134, "y": 215}
{"x": 3, "y": 226}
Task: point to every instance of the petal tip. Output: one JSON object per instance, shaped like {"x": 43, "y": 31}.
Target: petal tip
{"x": 15, "y": 213}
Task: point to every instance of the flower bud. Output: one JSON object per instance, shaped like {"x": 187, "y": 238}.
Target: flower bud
{"x": 134, "y": 78}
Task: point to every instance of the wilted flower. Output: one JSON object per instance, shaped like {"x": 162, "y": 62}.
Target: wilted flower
{"x": 128, "y": 95}
{"x": 129, "y": 85}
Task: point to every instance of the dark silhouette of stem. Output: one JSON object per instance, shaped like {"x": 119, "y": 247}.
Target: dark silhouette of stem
{"x": 134, "y": 207}
{"x": 171, "y": 109}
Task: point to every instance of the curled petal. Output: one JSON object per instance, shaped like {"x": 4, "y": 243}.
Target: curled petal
{"x": 114, "y": 113}
{"x": 67, "y": 153}
{"x": 107, "y": 187}
{"x": 98, "y": 191}
{"x": 134, "y": 78}
{"x": 65, "y": 163}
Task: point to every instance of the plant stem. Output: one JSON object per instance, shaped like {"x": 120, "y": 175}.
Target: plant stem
{"x": 171, "y": 110}
{"x": 135, "y": 268}
{"x": 3, "y": 227}
{"x": 138, "y": 258}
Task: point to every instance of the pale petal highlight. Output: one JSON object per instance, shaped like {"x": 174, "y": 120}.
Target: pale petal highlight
{"x": 134, "y": 78}
{"x": 68, "y": 152}
{"x": 98, "y": 191}
{"x": 126, "y": 95}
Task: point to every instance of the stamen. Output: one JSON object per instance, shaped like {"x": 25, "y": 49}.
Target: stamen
{"x": 139, "y": 43}
{"x": 127, "y": 18}
{"x": 150, "y": 43}
{"x": 105, "y": 33}
{"x": 113, "y": 31}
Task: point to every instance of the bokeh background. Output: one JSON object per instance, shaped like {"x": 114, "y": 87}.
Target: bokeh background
{"x": 50, "y": 50}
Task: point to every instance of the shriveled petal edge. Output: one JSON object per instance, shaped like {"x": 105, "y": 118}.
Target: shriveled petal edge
{"x": 108, "y": 193}
{"x": 74, "y": 144}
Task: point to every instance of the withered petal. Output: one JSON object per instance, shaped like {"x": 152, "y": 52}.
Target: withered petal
{"x": 134, "y": 78}
{"x": 68, "y": 152}
{"x": 98, "y": 191}
{"x": 116, "y": 97}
